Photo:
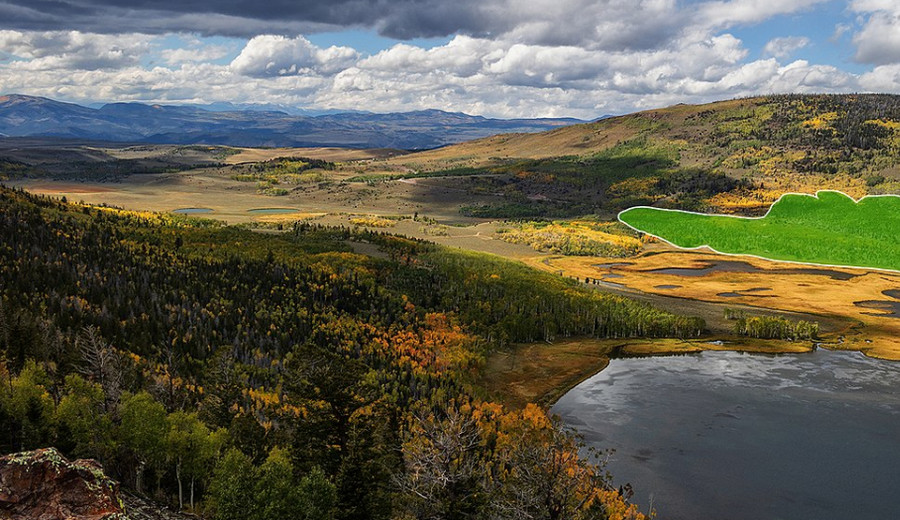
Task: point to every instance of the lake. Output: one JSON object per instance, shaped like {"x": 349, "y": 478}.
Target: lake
{"x": 190, "y": 211}
{"x": 726, "y": 435}
{"x": 272, "y": 211}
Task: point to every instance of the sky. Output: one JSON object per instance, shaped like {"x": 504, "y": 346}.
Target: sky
{"x": 497, "y": 58}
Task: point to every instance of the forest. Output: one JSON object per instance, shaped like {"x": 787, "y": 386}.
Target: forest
{"x": 247, "y": 375}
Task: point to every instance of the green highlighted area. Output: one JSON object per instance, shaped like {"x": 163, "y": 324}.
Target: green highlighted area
{"x": 828, "y": 228}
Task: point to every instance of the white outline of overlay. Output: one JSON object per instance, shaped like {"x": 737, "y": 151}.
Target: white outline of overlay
{"x": 707, "y": 246}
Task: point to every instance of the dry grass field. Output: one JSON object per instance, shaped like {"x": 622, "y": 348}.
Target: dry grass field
{"x": 857, "y": 308}
{"x": 248, "y": 155}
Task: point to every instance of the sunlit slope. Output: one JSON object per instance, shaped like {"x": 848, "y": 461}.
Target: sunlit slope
{"x": 575, "y": 140}
{"x": 830, "y": 228}
{"x": 776, "y": 144}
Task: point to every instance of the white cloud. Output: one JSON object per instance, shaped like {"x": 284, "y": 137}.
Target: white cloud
{"x": 582, "y": 58}
{"x": 194, "y": 55}
{"x": 884, "y": 78}
{"x": 725, "y": 14}
{"x": 878, "y": 41}
{"x": 784, "y": 46}
{"x": 73, "y": 50}
{"x": 803, "y": 77}
{"x": 462, "y": 56}
{"x": 270, "y": 55}
{"x": 538, "y": 80}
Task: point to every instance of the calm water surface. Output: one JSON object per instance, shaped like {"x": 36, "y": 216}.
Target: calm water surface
{"x": 272, "y": 211}
{"x": 188, "y": 211}
{"x": 724, "y": 435}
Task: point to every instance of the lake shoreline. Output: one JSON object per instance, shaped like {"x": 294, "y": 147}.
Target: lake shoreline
{"x": 542, "y": 373}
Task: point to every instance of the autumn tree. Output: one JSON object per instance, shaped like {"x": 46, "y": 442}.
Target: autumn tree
{"x": 543, "y": 476}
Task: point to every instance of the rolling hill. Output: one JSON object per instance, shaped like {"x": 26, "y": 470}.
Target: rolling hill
{"x": 734, "y": 156}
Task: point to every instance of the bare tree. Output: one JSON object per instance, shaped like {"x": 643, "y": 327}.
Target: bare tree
{"x": 102, "y": 364}
{"x": 546, "y": 478}
{"x": 444, "y": 476}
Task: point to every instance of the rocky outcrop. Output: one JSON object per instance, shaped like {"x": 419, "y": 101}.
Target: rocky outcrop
{"x": 43, "y": 485}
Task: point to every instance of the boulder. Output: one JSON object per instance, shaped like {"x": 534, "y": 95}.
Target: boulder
{"x": 44, "y": 485}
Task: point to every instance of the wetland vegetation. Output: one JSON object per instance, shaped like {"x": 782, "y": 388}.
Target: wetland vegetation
{"x": 829, "y": 228}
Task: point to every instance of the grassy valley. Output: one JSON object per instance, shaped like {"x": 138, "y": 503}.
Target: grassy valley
{"x": 347, "y": 328}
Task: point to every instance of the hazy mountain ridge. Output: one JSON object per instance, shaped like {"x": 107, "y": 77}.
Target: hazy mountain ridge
{"x": 27, "y": 116}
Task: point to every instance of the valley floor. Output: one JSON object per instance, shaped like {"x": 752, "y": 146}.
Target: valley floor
{"x": 856, "y": 309}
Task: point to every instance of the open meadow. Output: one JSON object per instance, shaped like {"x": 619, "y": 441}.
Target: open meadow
{"x": 829, "y": 228}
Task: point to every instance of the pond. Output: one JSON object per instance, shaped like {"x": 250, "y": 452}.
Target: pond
{"x": 725, "y": 435}
{"x": 735, "y": 266}
{"x": 272, "y": 211}
{"x": 190, "y": 211}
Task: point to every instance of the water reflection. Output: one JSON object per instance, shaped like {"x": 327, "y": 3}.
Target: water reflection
{"x": 724, "y": 435}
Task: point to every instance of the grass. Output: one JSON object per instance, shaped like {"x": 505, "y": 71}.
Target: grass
{"x": 829, "y": 228}
{"x": 577, "y": 237}
{"x": 795, "y": 291}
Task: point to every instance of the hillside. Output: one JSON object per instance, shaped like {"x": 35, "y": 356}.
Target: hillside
{"x": 230, "y": 371}
{"x": 734, "y": 156}
{"x": 27, "y": 116}
{"x": 731, "y": 156}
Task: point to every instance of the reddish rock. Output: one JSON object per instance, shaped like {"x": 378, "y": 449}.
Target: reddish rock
{"x": 43, "y": 485}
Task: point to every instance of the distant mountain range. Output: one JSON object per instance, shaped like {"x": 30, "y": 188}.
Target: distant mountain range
{"x": 248, "y": 125}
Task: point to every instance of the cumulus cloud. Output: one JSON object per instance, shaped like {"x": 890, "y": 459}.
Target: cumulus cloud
{"x": 537, "y": 80}
{"x": 884, "y": 78}
{"x": 784, "y": 46}
{"x": 462, "y": 56}
{"x": 190, "y": 83}
{"x": 878, "y": 42}
{"x": 194, "y": 55}
{"x": 507, "y": 58}
{"x": 270, "y": 55}
{"x": 72, "y": 49}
